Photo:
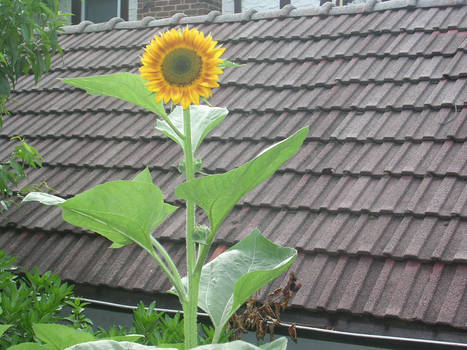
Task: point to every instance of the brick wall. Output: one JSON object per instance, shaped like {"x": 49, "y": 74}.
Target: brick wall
{"x": 167, "y": 8}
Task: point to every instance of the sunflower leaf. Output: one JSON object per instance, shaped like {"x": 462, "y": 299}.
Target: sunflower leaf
{"x": 217, "y": 194}
{"x": 125, "y": 86}
{"x": 203, "y": 120}
{"x": 124, "y": 212}
{"x": 230, "y": 279}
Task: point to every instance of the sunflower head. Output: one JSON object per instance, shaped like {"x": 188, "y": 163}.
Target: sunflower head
{"x": 182, "y": 66}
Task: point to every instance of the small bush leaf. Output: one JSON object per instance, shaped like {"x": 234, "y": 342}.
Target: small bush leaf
{"x": 4, "y": 328}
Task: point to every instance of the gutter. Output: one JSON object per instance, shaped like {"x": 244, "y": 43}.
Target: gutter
{"x": 325, "y": 334}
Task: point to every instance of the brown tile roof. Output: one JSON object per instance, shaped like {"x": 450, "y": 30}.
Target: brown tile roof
{"x": 376, "y": 200}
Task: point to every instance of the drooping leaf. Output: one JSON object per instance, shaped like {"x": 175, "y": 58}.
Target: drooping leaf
{"x": 124, "y": 212}
{"x": 217, "y": 194}
{"x": 59, "y": 336}
{"x": 125, "y": 86}
{"x": 229, "y": 280}
{"x": 113, "y": 345}
{"x": 44, "y": 198}
{"x": 203, "y": 120}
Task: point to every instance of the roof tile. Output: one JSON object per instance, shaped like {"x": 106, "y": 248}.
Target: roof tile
{"x": 375, "y": 201}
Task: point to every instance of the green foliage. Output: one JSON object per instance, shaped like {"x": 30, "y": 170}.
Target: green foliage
{"x": 229, "y": 280}
{"x": 157, "y": 327}
{"x": 31, "y": 346}
{"x": 60, "y": 337}
{"x": 28, "y": 39}
{"x": 217, "y": 194}
{"x": 3, "y": 328}
{"x": 12, "y": 171}
{"x": 125, "y": 86}
{"x": 77, "y": 317}
{"x": 28, "y": 299}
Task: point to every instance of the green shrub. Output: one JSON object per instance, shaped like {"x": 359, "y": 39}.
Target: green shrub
{"x": 33, "y": 298}
{"x": 158, "y": 328}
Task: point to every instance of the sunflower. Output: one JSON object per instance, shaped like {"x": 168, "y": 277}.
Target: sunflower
{"x": 182, "y": 66}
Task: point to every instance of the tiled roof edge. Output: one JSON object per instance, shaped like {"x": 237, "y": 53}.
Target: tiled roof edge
{"x": 287, "y": 11}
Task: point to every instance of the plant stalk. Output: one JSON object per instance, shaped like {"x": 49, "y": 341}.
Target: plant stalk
{"x": 190, "y": 307}
{"x": 177, "y": 280}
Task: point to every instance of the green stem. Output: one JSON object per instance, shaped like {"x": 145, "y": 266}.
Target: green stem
{"x": 217, "y": 334}
{"x": 178, "y": 284}
{"x": 168, "y": 272}
{"x": 202, "y": 255}
{"x": 173, "y": 127}
{"x": 190, "y": 308}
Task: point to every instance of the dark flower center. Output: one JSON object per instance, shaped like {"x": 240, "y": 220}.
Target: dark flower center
{"x": 181, "y": 67}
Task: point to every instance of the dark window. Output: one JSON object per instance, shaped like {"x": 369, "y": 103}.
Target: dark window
{"x": 98, "y": 11}
{"x": 282, "y": 3}
{"x": 237, "y": 6}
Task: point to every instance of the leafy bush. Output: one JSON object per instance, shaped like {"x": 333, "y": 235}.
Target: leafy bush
{"x": 157, "y": 327}
{"x": 33, "y": 298}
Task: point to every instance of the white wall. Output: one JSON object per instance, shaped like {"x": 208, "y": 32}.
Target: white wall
{"x": 132, "y": 10}
{"x": 264, "y": 5}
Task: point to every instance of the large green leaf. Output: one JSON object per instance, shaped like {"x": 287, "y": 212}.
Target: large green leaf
{"x": 279, "y": 344}
{"x": 128, "y": 338}
{"x": 217, "y": 194}
{"x": 60, "y": 337}
{"x": 32, "y": 346}
{"x": 114, "y": 345}
{"x": 124, "y": 212}
{"x": 203, "y": 120}
{"x": 125, "y": 86}
{"x": 229, "y": 280}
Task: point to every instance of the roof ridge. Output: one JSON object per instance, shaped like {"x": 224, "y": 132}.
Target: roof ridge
{"x": 328, "y": 9}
